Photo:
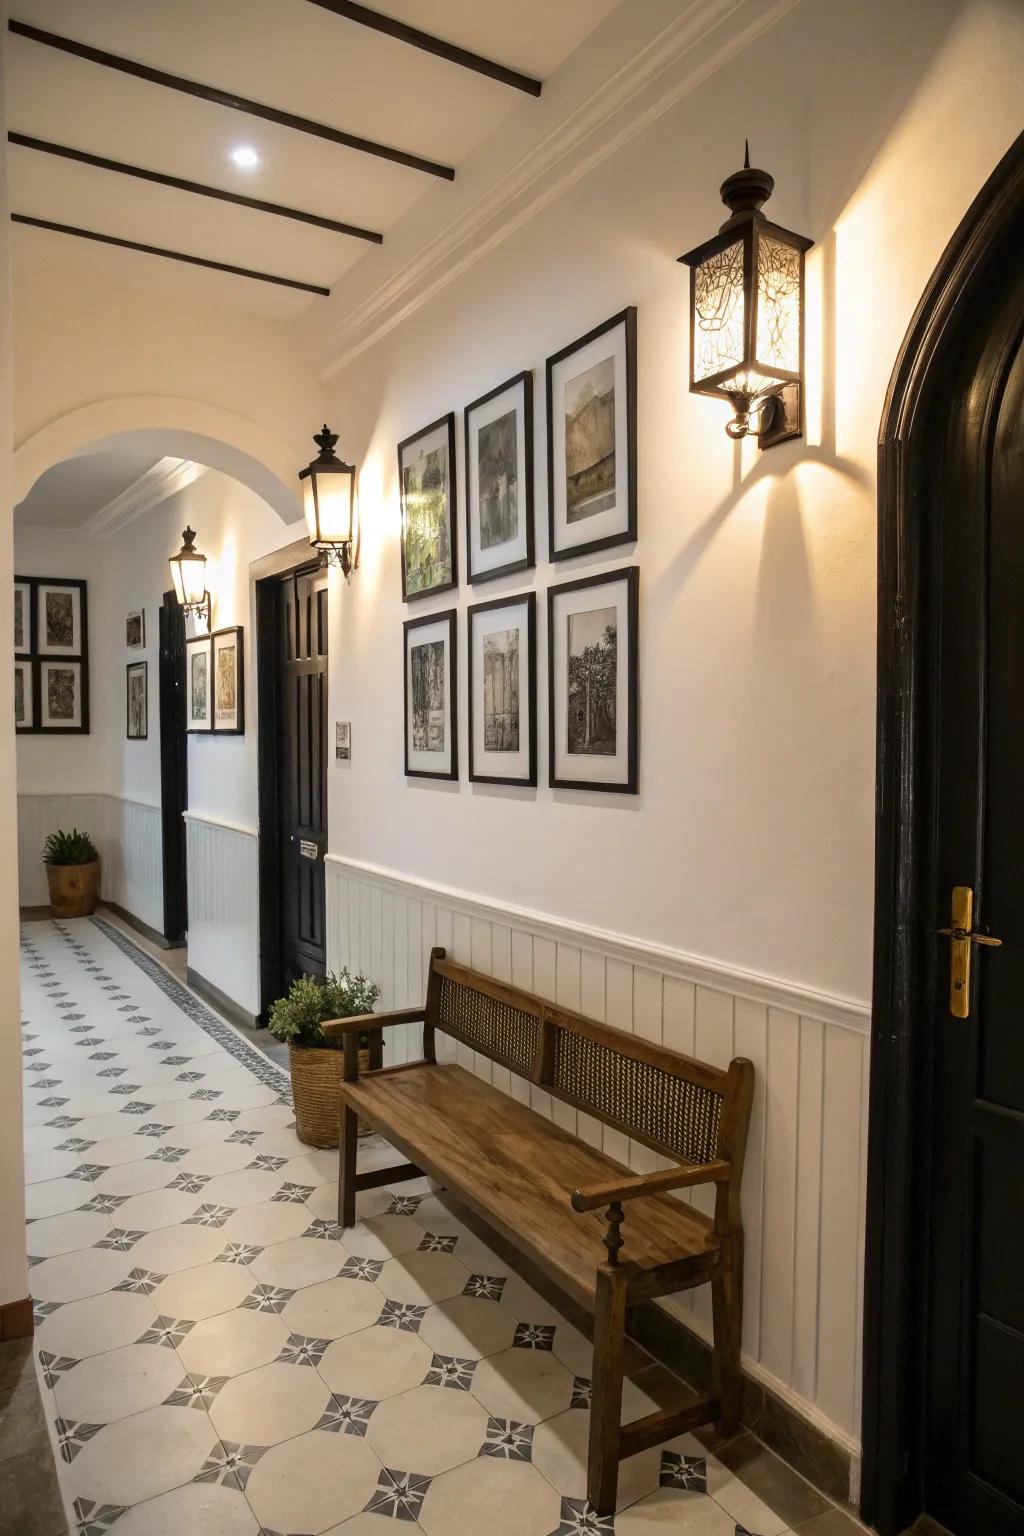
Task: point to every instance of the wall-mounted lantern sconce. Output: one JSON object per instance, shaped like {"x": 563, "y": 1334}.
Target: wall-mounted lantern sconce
{"x": 329, "y": 501}
{"x": 747, "y": 314}
{"x": 188, "y": 572}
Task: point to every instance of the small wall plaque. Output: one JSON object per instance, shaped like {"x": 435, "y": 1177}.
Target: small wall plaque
{"x": 307, "y": 849}
{"x": 342, "y": 740}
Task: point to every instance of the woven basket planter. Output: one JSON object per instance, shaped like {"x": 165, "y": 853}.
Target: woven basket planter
{"x": 316, "y": 1092}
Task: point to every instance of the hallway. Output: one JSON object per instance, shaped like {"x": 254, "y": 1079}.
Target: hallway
{"x": 213, "y": 1358}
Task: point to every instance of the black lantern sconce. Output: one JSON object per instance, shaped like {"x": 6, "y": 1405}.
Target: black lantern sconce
{"x": 747, "y": 314}
{"x": 329, "y": 502}
{"x": 188, "y": 572}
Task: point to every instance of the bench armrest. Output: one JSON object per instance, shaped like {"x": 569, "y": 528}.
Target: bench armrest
{"x": 365, "y": 1021}
{"x": 593, "y": 1195}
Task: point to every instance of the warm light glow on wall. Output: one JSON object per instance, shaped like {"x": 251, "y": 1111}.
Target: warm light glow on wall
{"x": 814, "y": 347}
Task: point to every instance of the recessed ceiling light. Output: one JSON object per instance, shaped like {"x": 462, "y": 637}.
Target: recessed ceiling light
{"x": 245, "y": 157}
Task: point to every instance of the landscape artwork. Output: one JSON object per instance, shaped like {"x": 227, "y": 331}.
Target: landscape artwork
{"x": 501, "y": 691}
{"x": 138, "y": 704}
{"x": 428, "y": 703}
{"x": 498, "y": 481}
{"x": 427, "y": 473}
{"x": 60, "y": 695}
{"x": 591, "y": 681}
{"x": 589, "y": 404}
{"x": 592, "y": 434}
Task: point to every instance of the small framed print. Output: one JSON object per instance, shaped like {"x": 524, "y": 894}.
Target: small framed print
{"x": 24, "y": 711}
{"x": 342, "y": 741}
{"x": 22, "y": 618}
{"x": 137, "y": 696}
{"x": 503, "y": 690}
{"x": 60, "y": 618}
{"x": 135, "y": 630}
{"x": 426, "y": 478}
{"x": 228, "y": 684}
{"x": 61, "y": 704}
{"x": 592, "y": 682}
{"x": 499, "y": 480}
{"x": 591, "y": 400}
{"x": 198, "y": 694}
{"x": 431, "y": 742}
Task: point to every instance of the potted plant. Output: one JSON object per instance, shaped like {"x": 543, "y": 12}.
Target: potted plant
{"x": 72, "y": 872}
{"x": 314, "y": 1058}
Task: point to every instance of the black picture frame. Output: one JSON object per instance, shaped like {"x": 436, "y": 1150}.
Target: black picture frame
{"x": 140, "y": 643}
{"x": 194, "y": 646}
{"x": 449, "y": 617}
{"x": 626, "y": 318}
{"x": 238, "y": 728}
{"x": 628, "y": 786}
{"x": 524, "y": 381}
{"x": 141, "y": 667}
{"x": 40, "y": 658}
{"x": 25, "y": 727}
{"x": 447, "y": 422}
{"x": 515, "y": 600}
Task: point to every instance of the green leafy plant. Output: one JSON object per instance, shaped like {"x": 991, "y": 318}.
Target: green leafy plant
{"x": 311, "y": 1001}
{"x": 72, "y": 847}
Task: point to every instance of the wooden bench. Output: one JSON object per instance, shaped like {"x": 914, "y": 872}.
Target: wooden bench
{"x": 543, "y": 1188}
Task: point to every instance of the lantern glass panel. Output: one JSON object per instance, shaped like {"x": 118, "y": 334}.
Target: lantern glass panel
{"x": 334, "y": 503}
{"x": 778, "y": 305}
{"x": 309, "y": 506}
{"x": 189, "y": 576}
{"x": 719, "y": 313}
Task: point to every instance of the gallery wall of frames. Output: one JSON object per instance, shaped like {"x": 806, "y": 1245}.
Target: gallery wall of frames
{"x": 592, "y": 623}
{"x": 51, "y": 656}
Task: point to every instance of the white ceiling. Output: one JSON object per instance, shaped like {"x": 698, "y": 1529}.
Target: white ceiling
{"x": 292, "y": 55}
{"x": 72, "y": 492}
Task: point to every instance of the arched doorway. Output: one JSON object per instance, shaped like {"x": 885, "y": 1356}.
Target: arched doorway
{"x": 944, "y": 1334}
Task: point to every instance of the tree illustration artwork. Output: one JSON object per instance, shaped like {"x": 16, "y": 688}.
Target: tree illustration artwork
{"x": 592, "y": 683}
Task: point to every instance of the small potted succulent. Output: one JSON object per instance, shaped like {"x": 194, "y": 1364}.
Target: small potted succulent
{"x": 72, "y": 872}
{"x": 315, "y": 1059}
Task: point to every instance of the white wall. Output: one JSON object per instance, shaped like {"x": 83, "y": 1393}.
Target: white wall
{"x": 13, "y": 1270}
{"x": 746, "y": 858}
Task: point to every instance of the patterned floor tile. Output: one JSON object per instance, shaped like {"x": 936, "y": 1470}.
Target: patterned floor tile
{"x": 97, "y": 1324}
{"x": 233, "y": 1342}
{"x": 441, "y": 1433}
{"x": 204, "y": 1291}
{"x": 211, "y": 1509}
{"x": 270, "y": 1404}
{"x": 312, "y": 1481}
{"x": 505, "y": 1498}
{"x": 376, "y": 1363}
{"x": 333, "y": 1308}
{"x": 143, "y": 1455}
{"x": 118, "y": 1383}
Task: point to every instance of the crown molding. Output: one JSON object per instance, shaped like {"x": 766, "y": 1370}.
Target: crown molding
{"x": 163, "y": 480}
{"x": 667, "y": 67}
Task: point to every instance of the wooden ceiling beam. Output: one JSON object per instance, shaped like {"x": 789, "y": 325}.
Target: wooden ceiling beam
{"x": 159, "y": 250}
{"x": 229, "y": 99}
{"x": 199, "y": 188}
{"x": 365, "y": 17}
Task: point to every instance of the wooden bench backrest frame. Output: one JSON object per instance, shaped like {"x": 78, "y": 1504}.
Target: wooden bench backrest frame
{"x": 732, "y": 1085}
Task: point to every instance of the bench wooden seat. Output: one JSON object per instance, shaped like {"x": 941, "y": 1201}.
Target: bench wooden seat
{"x": 442, "y": 1117}
{"x": 552, "y": 1194}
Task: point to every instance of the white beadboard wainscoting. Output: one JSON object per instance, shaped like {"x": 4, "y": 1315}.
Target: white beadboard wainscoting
{"x": 223, "y": 907}
{"x": 127, "y": 833}
{"x": 803, "y": 1187}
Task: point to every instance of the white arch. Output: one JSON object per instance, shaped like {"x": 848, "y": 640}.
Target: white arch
{"x": 179, "y": 428}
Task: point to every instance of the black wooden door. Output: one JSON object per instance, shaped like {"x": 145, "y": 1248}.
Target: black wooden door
{"x": 173, "y": 766}
{"x": 301, "y": 631}
{"x": 975, "y": 1335}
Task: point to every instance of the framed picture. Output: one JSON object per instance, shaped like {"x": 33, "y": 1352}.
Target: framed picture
{"x": 592, "y": 682}
{"x": 60, "y": 618}
{"x": 198, "y": 694}
{"x": 431, "y": 742}
{"x": 499, "y": 480}
{"x": 138, "y": 700}
{"x": 135, "y": 630}
{"x": 591, "y": 399}
{"x": 228, "y": 684}
{"x": 503, "y": 690}
{"x": 22, "y": 618}
{"x": 24, "y": 712}
{"x": 426, "y": 477}
{"x": 61, "y": 703}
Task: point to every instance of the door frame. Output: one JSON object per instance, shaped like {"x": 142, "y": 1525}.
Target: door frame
{"x": 266, "y": 573}
{"x": 892, "y": 1486}
{"x": 173, "y": 773}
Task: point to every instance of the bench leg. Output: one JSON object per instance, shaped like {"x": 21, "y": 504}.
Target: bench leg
{"x": 606, "y": 1396}
{"x": 348, "y": 1143}
{"x": 727, "y": 1314}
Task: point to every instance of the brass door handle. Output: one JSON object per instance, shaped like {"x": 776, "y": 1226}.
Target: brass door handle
{"x": 961, "y": 937}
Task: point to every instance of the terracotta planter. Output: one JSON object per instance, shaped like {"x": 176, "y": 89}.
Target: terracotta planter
{"x": 316, "y": 1092}
{"x": 74, "y": 888}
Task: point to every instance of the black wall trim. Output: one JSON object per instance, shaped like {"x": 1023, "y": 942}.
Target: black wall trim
{"x": 152, "y": 934}
{"x": 219, "y": 1000}
{"x": 897, "y": 1196}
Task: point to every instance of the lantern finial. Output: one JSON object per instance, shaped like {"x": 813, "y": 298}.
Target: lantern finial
{"x": 325, "y": 441}
{"x": 744, "y": 191}
{"x": 746, "y": 154}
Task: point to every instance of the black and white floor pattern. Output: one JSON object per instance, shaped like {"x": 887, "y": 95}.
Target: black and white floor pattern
{"x": 217, "y": 1358}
